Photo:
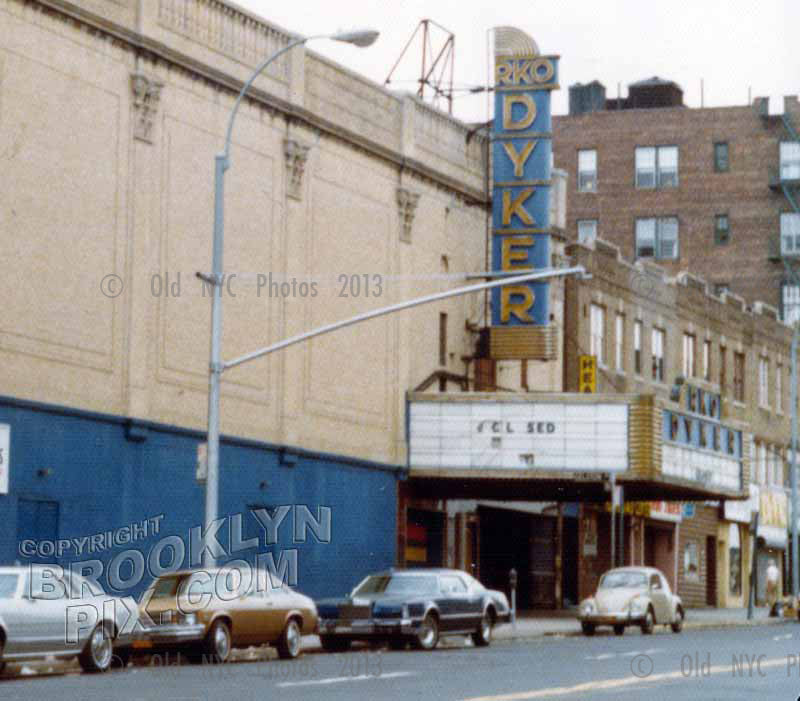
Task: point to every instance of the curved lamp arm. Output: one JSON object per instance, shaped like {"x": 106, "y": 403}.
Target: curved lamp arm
{"x": 359, "y": 38}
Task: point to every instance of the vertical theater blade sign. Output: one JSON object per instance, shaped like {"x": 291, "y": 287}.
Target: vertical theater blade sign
{"x": 521, "y": 161}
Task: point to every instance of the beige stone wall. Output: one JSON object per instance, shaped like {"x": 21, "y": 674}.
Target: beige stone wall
{"x": 106, "y": 180}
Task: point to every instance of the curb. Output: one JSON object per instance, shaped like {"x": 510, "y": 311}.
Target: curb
{"x": 700, "y": 625}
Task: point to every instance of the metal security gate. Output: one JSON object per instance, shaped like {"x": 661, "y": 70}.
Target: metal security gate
{"x": 543, "y": 562}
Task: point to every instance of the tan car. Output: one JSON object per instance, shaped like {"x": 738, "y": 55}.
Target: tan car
{"x": 209, "y": 612}
{"x": 638, "y": 596}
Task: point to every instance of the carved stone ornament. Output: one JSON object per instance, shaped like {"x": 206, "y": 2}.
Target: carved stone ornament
{"x": 146, "y": 96}
{"x": 296, "y": 157}
{"x": 407, "y": 206}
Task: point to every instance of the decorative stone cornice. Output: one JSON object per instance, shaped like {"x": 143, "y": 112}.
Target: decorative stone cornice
{"x": 407, "y": 207}
{"x": 146, "y": 96}
{"x": 296, "y": 157}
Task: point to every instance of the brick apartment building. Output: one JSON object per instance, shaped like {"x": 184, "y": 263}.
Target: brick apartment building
{"x": 646, "y": 330}
{"x": 710, "y": 190}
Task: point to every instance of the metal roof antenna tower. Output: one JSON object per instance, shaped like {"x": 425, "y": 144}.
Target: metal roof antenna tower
{"x": 436, "y": 76}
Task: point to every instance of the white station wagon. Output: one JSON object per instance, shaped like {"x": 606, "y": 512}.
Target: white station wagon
{"x": 46, "y": 611}
{"x": 626, "y": 596}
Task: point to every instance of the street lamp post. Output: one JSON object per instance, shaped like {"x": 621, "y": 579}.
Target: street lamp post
{"x": 359, "y": 38}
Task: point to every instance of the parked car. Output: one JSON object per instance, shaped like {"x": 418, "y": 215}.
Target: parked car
{"x": 46, "y": 611}
{"x": 632, "y": 596}
{"x": 209, "y": 612}
{"x": 412, "y": 606}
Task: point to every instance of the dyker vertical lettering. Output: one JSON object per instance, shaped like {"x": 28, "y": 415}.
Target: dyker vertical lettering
{"x": 521, "y": 162}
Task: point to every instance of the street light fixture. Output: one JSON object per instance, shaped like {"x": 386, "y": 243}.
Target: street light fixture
{"x": 360, "y": 38}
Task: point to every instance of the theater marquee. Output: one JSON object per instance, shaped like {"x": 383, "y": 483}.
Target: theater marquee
{"x": 548, "y": 436}
{"x": 558, "y": 444}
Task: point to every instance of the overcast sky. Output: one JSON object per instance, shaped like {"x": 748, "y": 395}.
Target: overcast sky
{"x": 732, "y": 45}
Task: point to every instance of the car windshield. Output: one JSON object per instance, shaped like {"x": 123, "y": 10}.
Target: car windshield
{"x": 398, "y": 584}
{"x": 623, "y": 580}
{"x": 164, "y": 587}
{"x": 8, "y": 585}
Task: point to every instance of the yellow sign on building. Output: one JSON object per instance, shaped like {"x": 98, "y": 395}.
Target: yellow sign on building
{"x": 587, "y": 374}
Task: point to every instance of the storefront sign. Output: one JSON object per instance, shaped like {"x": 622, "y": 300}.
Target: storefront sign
{"x": 666, "y": 510}
{"x": 521, "y": 167}
{"x": 5, "y": 457}
{"x": 688, "y": 510}
{"x": 773, "y": 518}
{"x": 742, "y": 511}
{"x": 516, "y": 435}
{"x": 587, "y": 374}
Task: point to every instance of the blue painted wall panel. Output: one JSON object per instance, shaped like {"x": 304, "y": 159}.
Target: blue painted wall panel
{"x": 102, "y": 481}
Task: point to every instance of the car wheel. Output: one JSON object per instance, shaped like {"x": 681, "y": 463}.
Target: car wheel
{"x": 619, "y": 630}
{"x": 483, "y": 636}
{"x": 333, "y": 644}
{"x": 289, "y": 642}
{"x": 398, "y": 644}
{"x": 217, "y": 645}
{"x": 587, "y": 628}
{"x": 677, "y": 624}
{"x": 428, "y": 635}
{"x": 648, "y": 623}
{"x": 98, "y": 651}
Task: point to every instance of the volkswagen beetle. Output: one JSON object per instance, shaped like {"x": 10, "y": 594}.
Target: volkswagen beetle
{"x": 632, "y": 596}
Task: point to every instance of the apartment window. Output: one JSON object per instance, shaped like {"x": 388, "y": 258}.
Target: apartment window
{"x": 619, "y": 339}
{"x": 790, "y": 160}
{"x": 761, "y": 462}
{"x": 587, "y": 170}
{"x": 657, "y": 238}
{"x": 790, "y": 303}
{"x": 443, "y": 339}
{"x": 779, "y": 388}
{"x": 658, "y": 354}
{"x": 637, "y": 347}
{"x": 790, "y": 234}
{"x": 688, "y": 356}
{"x": 597, "y": 330}
{"x": 723, "y": 378}
{"x": 656, "y": 166}
{"x": 721, "y": 164}
{"x": 587, "y": 230}
{"x": 707, "y": 361}
{"x": 738, "y": 377}
{"x": 763, "y": 383}
{"x": 722, "y": 230}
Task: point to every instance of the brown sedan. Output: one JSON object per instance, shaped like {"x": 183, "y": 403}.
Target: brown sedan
{"x": 209, "y": 612}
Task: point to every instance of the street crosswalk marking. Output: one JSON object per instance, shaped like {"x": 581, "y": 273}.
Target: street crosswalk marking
{"x": 339, "y": 680}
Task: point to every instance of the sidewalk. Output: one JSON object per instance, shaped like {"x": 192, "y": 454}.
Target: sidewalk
{"x": 534, "y": 624}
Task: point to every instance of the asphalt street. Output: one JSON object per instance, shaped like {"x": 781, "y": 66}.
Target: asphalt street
{"x": 730, "y": 663}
